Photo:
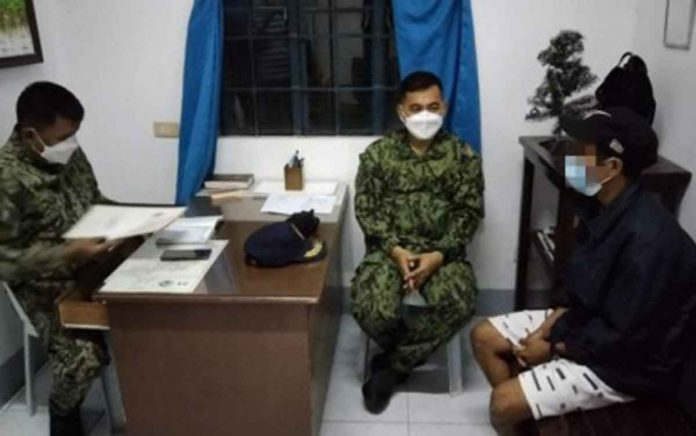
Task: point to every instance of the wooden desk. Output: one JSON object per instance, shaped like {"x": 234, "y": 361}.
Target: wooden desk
{"x": 249, "y": 352}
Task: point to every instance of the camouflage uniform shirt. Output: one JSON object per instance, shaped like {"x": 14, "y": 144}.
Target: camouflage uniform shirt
{"x": 423, "y": 203}
{"x": 39, "y": 202}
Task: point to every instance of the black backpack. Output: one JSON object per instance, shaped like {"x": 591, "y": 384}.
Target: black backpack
{"x": 628, "y": 85}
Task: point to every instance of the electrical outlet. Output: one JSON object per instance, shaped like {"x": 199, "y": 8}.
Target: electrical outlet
{"x": 166, "y": 129}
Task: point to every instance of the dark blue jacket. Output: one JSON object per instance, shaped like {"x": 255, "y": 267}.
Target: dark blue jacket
{"x": 631, "y": 283}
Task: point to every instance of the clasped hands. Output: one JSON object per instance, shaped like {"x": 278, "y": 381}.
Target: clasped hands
{"x": 416, "y": 268}
{"x": 535, "y": 349}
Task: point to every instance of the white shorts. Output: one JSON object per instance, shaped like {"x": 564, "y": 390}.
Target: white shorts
{"x": 559, "y": 386}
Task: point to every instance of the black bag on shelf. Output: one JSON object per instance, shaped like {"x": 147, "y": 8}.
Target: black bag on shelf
{"x": 628, "y": 85}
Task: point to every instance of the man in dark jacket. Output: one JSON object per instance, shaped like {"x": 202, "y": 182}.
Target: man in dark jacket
{"x": 631, "y": 281}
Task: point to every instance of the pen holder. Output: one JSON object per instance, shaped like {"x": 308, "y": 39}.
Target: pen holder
{"x": 293, "y": 178}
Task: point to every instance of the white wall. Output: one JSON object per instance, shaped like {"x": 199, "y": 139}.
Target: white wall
{"x": 672, "y": 73}
{"x": 124, "y": 60}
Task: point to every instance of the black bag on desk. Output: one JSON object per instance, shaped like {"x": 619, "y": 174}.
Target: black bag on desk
{"x": 283, "y": 243}
{"x": 628, "y": 85}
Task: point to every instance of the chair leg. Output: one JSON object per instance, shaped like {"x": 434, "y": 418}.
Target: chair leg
{"x": 29, "y": 374}
{"x": 454, "y": 365}
{"x": 115, "y": 411}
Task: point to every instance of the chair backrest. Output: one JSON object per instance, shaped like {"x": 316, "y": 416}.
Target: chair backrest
{"x": 20, "y": 310}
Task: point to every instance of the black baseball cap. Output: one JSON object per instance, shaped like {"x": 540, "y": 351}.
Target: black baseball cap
{"x": 279, "y": 244}
{"x": 616, "y": 131}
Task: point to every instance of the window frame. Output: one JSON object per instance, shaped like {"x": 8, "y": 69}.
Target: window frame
{"x": 299, "y": 89}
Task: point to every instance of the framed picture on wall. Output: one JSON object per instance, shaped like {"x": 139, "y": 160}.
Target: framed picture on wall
{"x": 19, "y": 34}
{"x": 679, "y": 23}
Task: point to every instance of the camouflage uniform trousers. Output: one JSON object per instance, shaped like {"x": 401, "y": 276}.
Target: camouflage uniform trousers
{"x": 377, "y": 291}
{"x": 75, "y": 357}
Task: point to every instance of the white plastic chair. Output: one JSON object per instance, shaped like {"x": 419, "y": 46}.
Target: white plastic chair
{"x": 109, "y": 379}
{"x": 454, "y": 363}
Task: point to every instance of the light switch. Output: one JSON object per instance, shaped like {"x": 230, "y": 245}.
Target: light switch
{"x": 166, "y": 129}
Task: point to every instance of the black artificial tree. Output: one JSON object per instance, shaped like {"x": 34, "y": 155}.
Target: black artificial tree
{"x": 565, "y": 76}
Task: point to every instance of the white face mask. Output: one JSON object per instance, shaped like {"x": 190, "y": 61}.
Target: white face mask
{"x": 59, "y": 153}
{"x": 423, "y": 125}
{"x": 577, "y": 177}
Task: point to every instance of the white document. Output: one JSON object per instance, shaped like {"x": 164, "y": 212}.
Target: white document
{"x": 145, "y": 273}
{"x": 196, "y": 230}
{"x": 290, "y": 204}
{"x": 312, "y": 188}
{"x": 118, "y": 222}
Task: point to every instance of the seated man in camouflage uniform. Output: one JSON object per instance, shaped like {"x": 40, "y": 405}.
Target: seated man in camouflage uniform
{"x": 419, "y": 199}
{"x": 46, "y": 185}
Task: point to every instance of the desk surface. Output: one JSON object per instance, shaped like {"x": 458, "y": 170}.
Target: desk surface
{"x": 231, "y": 280}
{"x": 249, "y": 208}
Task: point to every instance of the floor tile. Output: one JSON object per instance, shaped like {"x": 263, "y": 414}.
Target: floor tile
{"x": 427, "y": 400}
{"x": 467, "y": 408}
{"x": 450, "y": 430}
{"x": 345, "y": 401}
{"x": 102, "y": 428}
{"x": 344, "y": 398}
{"x": 363, "y": 429}
{"x": 433, "y": 377}
{"x": 350, "y": 346}
{"x": 94, "y": 403}
{"x": 19, "y": 423}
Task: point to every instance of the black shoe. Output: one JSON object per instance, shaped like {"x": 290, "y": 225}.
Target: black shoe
{"x": 379, "y": 362}
{"x": 66, "y": 425}
{"x": 378, "y": 390}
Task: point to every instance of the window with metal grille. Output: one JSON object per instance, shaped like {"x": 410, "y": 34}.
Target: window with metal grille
{"x": 309, "y": 67}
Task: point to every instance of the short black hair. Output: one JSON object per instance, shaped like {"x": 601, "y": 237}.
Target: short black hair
{"x": 418, "y": 81}
{"x": 41, "y": 103}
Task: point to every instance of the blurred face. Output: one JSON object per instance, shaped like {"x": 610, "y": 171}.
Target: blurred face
{"x": 586, "y": 172}
{"x": 59, "y": 131}
{"x": 426, "y": 100}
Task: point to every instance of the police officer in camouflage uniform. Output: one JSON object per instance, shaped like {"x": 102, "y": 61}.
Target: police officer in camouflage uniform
{"x": 46, "y": 185}
{"x": 419, "y": 199}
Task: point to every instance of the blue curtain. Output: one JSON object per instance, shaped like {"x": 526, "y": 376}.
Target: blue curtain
{"x": 201, "y": 98}
{"x": 438, "y": 36}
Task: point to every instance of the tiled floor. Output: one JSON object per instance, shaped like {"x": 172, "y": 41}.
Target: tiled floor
{"x": 422, "y": 408}
{"x": 15, "y": 421}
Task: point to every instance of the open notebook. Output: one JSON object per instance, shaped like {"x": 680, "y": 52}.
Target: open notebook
{"x": 119, "y": 222}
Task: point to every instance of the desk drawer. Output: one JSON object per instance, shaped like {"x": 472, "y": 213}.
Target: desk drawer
{"x": 76, "y": 312}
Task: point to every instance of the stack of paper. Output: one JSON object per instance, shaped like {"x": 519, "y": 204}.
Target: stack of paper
{"x": 119, "y": 222}
{"x": 230, "y": 182}
{"x": 290, "y": 204}
{"x": 197, "y": 230}
{"x": 144, "y": 272}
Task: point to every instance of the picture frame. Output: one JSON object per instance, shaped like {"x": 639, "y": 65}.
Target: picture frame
{"x": 679, "y": 24}
{"x": 19, "y": 34}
